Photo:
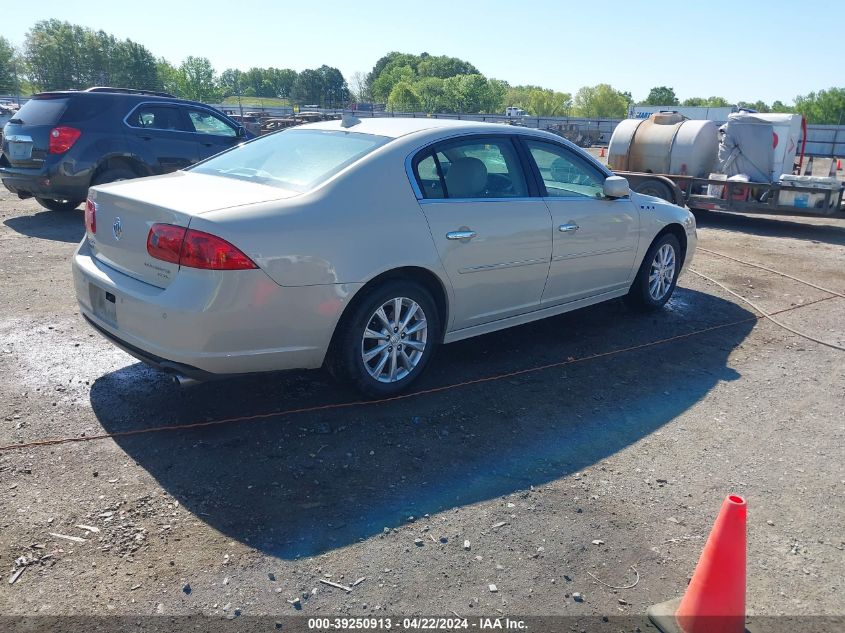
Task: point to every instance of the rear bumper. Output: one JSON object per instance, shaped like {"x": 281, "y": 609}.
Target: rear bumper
{"x": 43, "y": 182}
{"x": 211, "y": 323}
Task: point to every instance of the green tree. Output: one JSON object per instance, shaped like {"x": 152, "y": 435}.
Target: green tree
{"x": 759, "y": 106}
{"x": 8, "y": 67}
{"x": 780, "y": 106}
{"x": 602, "y": 102}
{"x": 709, "y": 102}
{"x": 134, "y": 66}
{"x": 53, "y": 51}
{"x": 335, "y": 93}
{"x": 195, "y": 79}
{"x": 826, "y": 107}
{"x": 382, "y": 86}
{"x": 397, "y": 67}
{"x": 661, "y": 95}
{"x": 443, "y": 67}
{"x": 431, "y": 93}
{"x": 403, "y": 98}
{"x": 716, "y": 102}
{"x": 308, "y": 87}
{"x": 167, "y": 76}
{"x": 230, "y": 82}
{"x": 61, "y": 55}
{"x": 282, "y": 80}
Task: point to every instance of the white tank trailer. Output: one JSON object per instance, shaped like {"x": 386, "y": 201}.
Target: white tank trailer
{"x": 665, "y": 143}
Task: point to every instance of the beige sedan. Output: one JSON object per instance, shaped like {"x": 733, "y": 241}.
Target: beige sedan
{"x": 363, "y": 244}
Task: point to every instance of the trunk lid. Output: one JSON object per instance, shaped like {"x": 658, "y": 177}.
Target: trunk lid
{"x": 126, "y": 211}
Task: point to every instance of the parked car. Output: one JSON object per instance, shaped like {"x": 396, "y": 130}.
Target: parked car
{"x": 60, "y": 143}
{"x": 362, "y": 245}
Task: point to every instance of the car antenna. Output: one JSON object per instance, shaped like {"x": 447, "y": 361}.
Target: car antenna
{"x": 349, "y": 120}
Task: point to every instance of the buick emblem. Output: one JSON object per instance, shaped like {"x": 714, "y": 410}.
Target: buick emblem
{"x": 117, "y": 228}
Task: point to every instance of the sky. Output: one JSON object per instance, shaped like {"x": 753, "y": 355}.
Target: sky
{"x": 742, "y": 50}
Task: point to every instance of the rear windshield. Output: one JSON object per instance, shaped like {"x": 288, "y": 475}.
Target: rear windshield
{"x": 41, "y": 111}
{"x": 298, "y": 160}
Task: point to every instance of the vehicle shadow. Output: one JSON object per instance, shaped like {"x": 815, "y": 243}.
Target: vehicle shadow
{"x": 303, "y": 484}
{"x": 64, "y": 226}
{"x": 811, "y": 230}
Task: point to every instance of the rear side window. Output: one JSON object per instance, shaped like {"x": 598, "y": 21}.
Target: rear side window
{"x": 42, "y": 111}
{"x": 157, "y": 117}
{"x": 298, "y": 160}
{"x": 472, "y": 168}
{"x": 85, "y": 108}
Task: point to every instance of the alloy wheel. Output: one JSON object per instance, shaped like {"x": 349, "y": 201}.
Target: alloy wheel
{"x": 394, "y": 340}
{"x": 662, "y": 272}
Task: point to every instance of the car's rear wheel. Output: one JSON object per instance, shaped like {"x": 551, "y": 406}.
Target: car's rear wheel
{"x": 58, "y": 205}
{"x": 658, "y": 274}
{"x": 113, "y": 175}
{"x": 388, "y": 339}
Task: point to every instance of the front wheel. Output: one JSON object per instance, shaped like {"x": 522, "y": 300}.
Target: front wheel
{"x": 58, "y": 205}
{"x": 658, "y": 274}
{"x": 388, "y": 340}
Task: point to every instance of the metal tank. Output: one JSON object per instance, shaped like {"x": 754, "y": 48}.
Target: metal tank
{"x": 664, "y": 143}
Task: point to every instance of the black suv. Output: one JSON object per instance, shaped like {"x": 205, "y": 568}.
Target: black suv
{"x": 60, "y": 143}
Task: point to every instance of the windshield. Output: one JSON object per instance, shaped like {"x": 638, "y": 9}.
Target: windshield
{"x": 294, "y": 159}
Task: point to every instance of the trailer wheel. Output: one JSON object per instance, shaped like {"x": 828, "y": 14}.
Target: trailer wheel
{"x": 655, "y": 188}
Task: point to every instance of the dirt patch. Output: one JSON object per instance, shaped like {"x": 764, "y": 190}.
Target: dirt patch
{"x": 635, "y": 450}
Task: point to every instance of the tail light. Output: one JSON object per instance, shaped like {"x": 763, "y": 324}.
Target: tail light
{"x": 91, "y": 216}
{"x": 194, "y": 249}
{"x": 62, "y": 139}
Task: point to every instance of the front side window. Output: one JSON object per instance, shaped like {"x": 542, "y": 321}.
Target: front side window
{"x": 298, "y": 160}
{"x": 157, "y": 117}
{"x": 564, "y": 174}
{"x": 475, "y": 168}
{"x": 207, "y": 123}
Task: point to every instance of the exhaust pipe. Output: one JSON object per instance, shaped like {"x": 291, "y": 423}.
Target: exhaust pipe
{"x": 184, "y": 382}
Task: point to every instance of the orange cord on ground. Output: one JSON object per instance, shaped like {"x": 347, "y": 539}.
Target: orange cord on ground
{"x": 423, "y": 392}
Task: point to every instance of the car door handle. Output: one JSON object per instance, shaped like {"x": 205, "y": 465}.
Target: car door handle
{"x": 460, "y": 235}
{"x": 568, "y": 228}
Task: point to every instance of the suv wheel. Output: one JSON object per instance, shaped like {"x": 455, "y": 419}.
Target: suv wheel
{"x": 58, "y": 205}
{"x": 112, "y": 175}
{"x": 387, "y": 340}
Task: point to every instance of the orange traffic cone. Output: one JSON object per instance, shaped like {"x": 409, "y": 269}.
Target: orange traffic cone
{"x": 715, "y": 598}
{"x": 838, "y": 164}
{"x": 601, "y": 153}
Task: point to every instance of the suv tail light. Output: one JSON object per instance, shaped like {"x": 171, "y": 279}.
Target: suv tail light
{"x": 91, "y": 216}
{"x": 62, "y": 139}
{"x": 194, "y": 249}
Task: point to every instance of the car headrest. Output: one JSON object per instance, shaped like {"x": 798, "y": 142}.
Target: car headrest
{"x": 466, "y": 178}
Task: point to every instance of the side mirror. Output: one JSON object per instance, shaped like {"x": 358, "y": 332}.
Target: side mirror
{"x": 241, "y": 131}
{"x": 616, "y": 187}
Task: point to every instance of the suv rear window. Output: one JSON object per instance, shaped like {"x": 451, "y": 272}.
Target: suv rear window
{"x": 41, "y": 111}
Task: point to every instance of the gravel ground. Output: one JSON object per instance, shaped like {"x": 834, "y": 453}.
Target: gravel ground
{"x": 557, "y": 479}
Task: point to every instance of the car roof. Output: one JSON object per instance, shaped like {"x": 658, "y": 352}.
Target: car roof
{"x": 138, "y": 96}
{"x": 395, "y": 127}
